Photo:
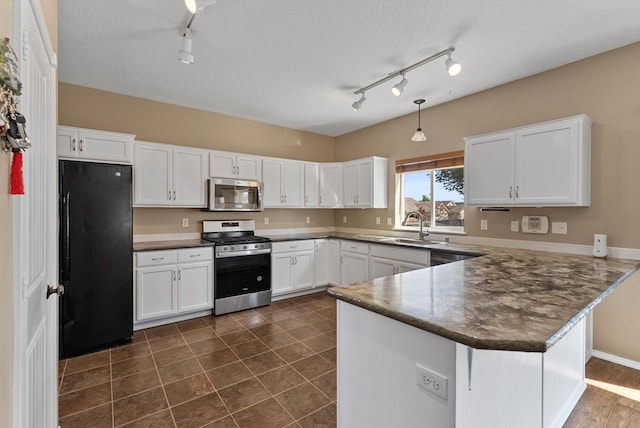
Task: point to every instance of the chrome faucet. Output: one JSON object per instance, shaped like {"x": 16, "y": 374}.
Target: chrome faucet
{"x": 418, "y": 214}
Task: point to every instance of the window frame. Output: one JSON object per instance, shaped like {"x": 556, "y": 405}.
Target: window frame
{"x": 432, "y": 163}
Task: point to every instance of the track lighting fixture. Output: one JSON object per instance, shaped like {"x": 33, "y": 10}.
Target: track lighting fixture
{"x": 356, "y": 105}
{"x": 419, "y": 135}
{"x": 184, "y": 54}
{"x": 453, "y": 68}
{"x": 194, "y": 6}
{"x": 399, "y": 87}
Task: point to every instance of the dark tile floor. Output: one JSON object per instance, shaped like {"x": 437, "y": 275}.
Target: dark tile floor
{"x": 269, "y": 367}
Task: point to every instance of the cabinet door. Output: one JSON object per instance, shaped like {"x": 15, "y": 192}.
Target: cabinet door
{"x": 546, "y": 162}
{"x": 365, "y": 184}
{"x": 311, "y": 185}
{"x": 489, "y": 169}
{"x": 272, "y": 179}
{"x": 355, "y": 268}
{"x": 249, "y": 167}
{"x": 281, "y": 277}
{"x": 334, "y": 262}
{"x": 406, "y": 266}
{"x": 195, "y": 286}
{"x": 104, "y": 146}
{"x": 156, "y": 294}
{"x": 152, "y": 175}
{"x": 350, "y": 172}
{"x": 189, "y": 175}
{"x": 303, "y": 274}
{"x": 293, "y": 184}
{"x": 379, "y": 267}
{"x": 322, "y": 271}
{"x": 222, "y": 165}
{"x": 331, "y": 185}
{"x": 66, "y": 143}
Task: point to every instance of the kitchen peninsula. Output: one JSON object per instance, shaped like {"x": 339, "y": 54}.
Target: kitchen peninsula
{"x": 493, "y": 341}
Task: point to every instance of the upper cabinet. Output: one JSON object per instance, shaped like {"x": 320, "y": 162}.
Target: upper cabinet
{"x": 546, "y": 164}
{"x": 235, "y": 165}
{"x": 365, "y": 183}
{"x": 283, "y": 183}
{"x": 330, "y": 177}
{"x": 311, "y": 185}
{"x": 92, "y": 145}
{"x": 167, "y": 175}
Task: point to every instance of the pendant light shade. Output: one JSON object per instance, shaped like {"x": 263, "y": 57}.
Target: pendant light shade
{"x": 419, "y": 135}
{"x": 184, "y": 54}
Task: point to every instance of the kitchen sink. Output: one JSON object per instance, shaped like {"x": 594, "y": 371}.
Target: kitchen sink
{"x": 412, "y": 241}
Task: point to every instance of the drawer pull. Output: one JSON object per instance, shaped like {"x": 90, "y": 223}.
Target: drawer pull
{"x": 157, "y": 258}
{"x": 195, "y": 255}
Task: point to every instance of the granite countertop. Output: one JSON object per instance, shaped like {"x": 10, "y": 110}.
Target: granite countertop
{"x": 170, "y": 245}
{"x": 514, "y": 300}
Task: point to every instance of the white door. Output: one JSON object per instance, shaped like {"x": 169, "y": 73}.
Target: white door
{"x": 281, "y": 266}
{"x": 272, "y": 179}
{"x": 195, "y": 286}
{"x": 293, "y": 183}
{"x": 310, "y": 184}
{"x": 189, "y": 174}
{"x": 249, "y": 167}
{"x": 34, "y": 225}
{"x": 152, "y": 175}
{"x": 321, "y": 264}
{"x": 379, "y": 268}
{"x": 303, "y": 275}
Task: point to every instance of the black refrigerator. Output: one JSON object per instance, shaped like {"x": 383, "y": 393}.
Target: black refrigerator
{"x": 96, "y": 256}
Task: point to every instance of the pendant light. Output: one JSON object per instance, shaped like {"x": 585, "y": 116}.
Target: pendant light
{"x": 419, "y": 135}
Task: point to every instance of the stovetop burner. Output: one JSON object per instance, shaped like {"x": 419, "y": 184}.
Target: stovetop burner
{"x": 231, "y": 232}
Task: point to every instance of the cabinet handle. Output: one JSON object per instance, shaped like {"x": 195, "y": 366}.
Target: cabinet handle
{"x": 320, "y": 199}
{"x": 169, "y": 194}
{"x": 157, "y": 258}
{"x": 179, "y": 274}
{"x": 174, "y": 195}
{"x": 517, "y": 191}
{"x": 174, "y": 275}
{"x": 81, "y": 145}
{"x": 291, "y": 261}
{"x": 73, "y": 145}
{"x": 285, "y": 199}
{"x": 306, "y": 199}
{"x": 195, "y": 255}
{"x": 341, "y": 259}
{"x": 510, "y": 191}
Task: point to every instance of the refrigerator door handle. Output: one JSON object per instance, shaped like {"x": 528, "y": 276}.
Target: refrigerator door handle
{"x": 67, "y": 236}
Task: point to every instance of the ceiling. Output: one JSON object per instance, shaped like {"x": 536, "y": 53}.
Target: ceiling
{"x": 296, "y": 63}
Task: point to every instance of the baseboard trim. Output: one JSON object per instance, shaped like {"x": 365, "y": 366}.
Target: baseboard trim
{"x": 615, "y": 359}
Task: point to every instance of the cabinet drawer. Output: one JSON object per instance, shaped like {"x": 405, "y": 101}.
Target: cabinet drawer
{"x": 292, "y": 246}
{"x": 401, "y": 254}
{"x": 195, "y": 254}
{"x": 152, "y": 258}
{"x": 355, "y": 247}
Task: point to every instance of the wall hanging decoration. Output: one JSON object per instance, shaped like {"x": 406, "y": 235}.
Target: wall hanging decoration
{"x": 13, "y": 132}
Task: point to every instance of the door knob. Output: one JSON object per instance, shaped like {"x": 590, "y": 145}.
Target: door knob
{"x": 59, "y": 290}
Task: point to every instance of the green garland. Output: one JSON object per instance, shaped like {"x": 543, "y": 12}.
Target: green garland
{"x": 9, "y": 68}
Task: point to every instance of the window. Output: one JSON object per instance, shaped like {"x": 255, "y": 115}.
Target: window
{"x": 433, "y": 186}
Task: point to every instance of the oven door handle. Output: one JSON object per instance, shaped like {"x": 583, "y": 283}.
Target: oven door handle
{"x": 243, "y": 253}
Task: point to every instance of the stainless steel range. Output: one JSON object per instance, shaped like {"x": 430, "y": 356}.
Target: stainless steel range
{"x": 242, "y": 266}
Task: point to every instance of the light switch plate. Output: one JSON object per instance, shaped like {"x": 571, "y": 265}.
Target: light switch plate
{"x": 484, "y": 225}
{"x": 185, "y": 222}
{"x": 515, "y": 225}
{"x": 377, "y": 220}
{"x": 308, "y": 220}
{"x": 266, "y": 220}
{"x": 388, "y": 221}
{"x": 344, "y": 218}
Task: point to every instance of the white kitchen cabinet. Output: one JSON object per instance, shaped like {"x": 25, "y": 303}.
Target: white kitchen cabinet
{"x": 365, "y": 183}
{"x": 331, "y": 191}
{"x": 334, "y": 262}
{"x": 546, "y": 164}
{"x": 311, "y": 184}
{"x": 283, "y": 183}
{"x": 167, "y": 175}
{"x": 93, "y": 145}
{"x": 235, "y": 165}
{"x": 387, "y": 260}
{"x": 172, "y": 282}
{"x": 292, "y": 266}
{"x": 354, "y": 262}
{"x": 322, "y": 270}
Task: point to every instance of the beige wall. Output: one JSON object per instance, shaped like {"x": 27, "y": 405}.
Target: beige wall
{"x": 6, "y": 262}
{"x": 171, "y": 124}
{"x": 605, "y": 87}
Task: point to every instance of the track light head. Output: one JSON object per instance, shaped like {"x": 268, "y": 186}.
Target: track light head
{"x": 194, "y": 6}
{"x": 184, "y": 54}
{"x": 356, "y": 105}
{"x": 399, "y": 87}
{"x": 453, "y": 67}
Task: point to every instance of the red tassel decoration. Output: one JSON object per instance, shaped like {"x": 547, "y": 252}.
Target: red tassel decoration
{"x": 17, "y": 181}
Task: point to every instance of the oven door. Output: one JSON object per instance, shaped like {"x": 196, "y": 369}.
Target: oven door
{"x": 239, "y": 275}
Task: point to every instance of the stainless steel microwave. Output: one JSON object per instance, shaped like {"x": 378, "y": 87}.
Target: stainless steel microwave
{"x": 227, "y": 194}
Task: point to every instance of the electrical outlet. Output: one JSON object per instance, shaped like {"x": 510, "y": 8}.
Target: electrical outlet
{"x": 559, "y": 227}
{"x": 185, "y": 222}
{"x": 515, "y": 225}
{"x": 308, "y": 220}
{"x": 344, "y": 218}
{"x": 377, "y": 220}
{"x": 266, "y": 220}
{"x": 431, "y": 381}
{"x": 484, "y": 224}
{"x": 389, "y": 221}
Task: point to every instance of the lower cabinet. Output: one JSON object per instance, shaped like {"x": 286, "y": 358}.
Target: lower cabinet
{"x": 173, "y": 282}
{"x": 334, "y": 262}
{"x": 292, "y": 266}
{"x": 354, "y": 262}
{"x": 322, "y": 261}
{"x": 385, "y": 260}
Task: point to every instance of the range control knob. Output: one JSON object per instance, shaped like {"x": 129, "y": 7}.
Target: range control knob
{"x": 225, "y": 248}
{"x": 244, "y": 247}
